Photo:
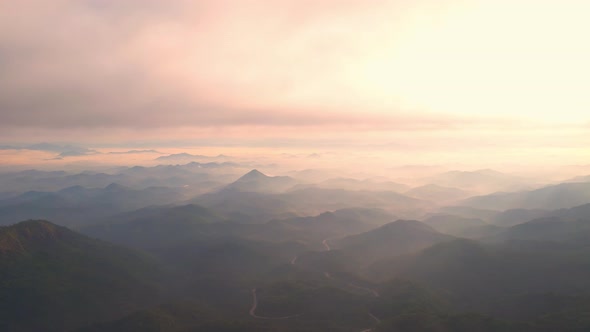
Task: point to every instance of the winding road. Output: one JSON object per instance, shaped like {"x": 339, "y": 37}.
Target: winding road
{"x": 329, "y": 276}
{"x": 377, "y": 320}
{"x": 370, "y": 290}
{"x": 326, "y": 245}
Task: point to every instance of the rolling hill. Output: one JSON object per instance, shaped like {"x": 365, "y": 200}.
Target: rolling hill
{"x": 53, "y": 279}
{"x": 460, "y": 226}
{"x": 393, "y": 239}
{"x": 75, "y": 206}
{"x": 565, "y": 195}
{"x": 255, "y": 181}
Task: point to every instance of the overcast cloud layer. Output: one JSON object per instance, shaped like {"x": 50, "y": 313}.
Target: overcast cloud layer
{"x": 373, "y": 71}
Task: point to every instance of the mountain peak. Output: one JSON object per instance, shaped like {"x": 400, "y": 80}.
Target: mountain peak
{"x": 253, "y": 175}
{"x": 18, "y": 238}
{"x": 256, "y": 181}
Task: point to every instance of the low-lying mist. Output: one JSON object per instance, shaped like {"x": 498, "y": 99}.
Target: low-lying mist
{"x": 189, "y": 242}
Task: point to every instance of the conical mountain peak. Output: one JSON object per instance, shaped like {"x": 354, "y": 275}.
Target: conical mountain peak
{"x": 253, "y": 175}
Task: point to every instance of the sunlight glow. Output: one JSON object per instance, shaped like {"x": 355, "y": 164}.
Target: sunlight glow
{"x": 496, "y": 57}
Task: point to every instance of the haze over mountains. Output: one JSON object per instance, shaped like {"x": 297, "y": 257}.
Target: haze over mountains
{"x": 553, "y": 197}
{"x": 194, "y": 246}
{"x": 294, "y": 166}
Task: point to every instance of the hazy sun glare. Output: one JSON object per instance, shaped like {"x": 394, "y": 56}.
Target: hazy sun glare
{"x": 499, "y": 57}
{"x": 525, "y": 59}
{"x": 438, "y": 75}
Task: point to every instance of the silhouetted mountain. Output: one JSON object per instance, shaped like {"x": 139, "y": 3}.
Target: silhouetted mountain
{"x": 551, "y": 229}
{"x": 469, "y": 212}
{"x": 371, "y": 216}
{"x": 481, "y": 232}
{"x": 77, "y": 205}
{"x": 255, "y": 181}
{"x": 333, "y": 224}
{"x": 54, "y": 279}
{"x": 517, "y": 216}
{"x": 154, "y": 226}
{"x": 394, "y": 239}
{"x": 493, "y": 279}
{"x": 256, "y": 207}
{"x": 314, "y": 175}
{"x": 247, "y": 207}
{"x": 198, "y": 177}
{"x": 262, "y": 253}
{"x": 317, "y": 200}
{"x": 458, "y": 226}
{"x": 559, "y": 196}
{"x": 159, "y": 227}
{"x": 575, "y": 213}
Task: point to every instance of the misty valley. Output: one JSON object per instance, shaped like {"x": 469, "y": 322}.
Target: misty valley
{"x": 219, "y": 246}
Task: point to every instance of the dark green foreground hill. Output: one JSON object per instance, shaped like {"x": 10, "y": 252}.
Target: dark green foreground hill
{"x": 53, "y": 279}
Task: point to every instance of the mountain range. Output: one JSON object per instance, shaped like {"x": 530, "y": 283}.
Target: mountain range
{"x": 279, "y": 253}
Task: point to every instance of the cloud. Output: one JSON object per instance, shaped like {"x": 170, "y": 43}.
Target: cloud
{"x": 76, "y": 153}
{"x": 409, "y": 75}
{"x": 62, "y": 151}
{"x": 183, "y": 156}
{"x": 151, "y": 64}
{"x": 134, "y": 152}
{"x": 72, "y": 150}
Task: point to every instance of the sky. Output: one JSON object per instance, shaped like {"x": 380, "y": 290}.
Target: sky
{"x": 430, "y": 81}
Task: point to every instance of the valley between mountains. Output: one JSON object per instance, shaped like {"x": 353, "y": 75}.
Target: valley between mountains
{"x": 280, "y": 253}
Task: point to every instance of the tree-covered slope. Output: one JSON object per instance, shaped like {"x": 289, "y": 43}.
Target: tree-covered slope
{"x": 53, "y": 279}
